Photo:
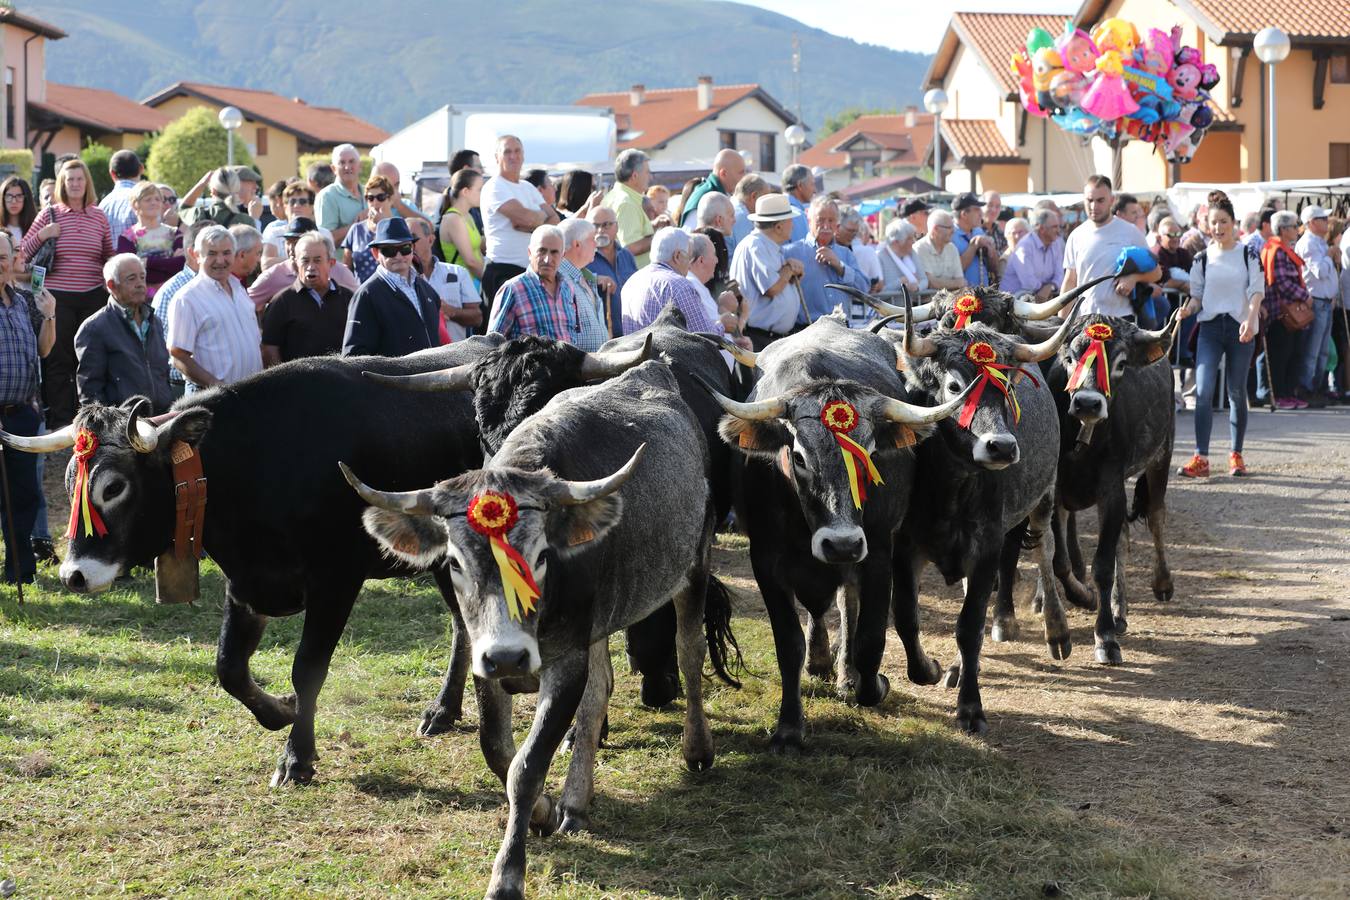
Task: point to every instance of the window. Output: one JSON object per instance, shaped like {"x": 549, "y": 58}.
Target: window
{"x": 9, "y": 102}
{"x": 261, "y": 141}
{"x": 1340, "y": 161}
{"x": 726, "y": 140}
{"x": 767, "y": 159}
{"x": 1340, "y": 67}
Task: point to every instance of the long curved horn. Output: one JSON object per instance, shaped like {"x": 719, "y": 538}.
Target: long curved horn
{"x": 455, "y": 378}
{"x": 915, "y": 345}
{"x": 416, "y": 502}
{"x": 1047, "y": 308}
{"x": 1045, "y": 349}
{"x": 1166, "y": 333}
{"x": 141, "y": 435}
{"x": 909, "y": 414}
{"x": 599, "y": 366}
{"x": 747, "y": 358}
{"x": 755, "y": 411}
{"x": 881, "y": 323}
{"x": 61, "y": 439}
{"x": 575, "y": 492}
{"x": 922, "y": 313}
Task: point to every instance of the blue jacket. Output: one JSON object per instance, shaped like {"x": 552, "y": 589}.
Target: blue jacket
{"x": 381, "y": 320}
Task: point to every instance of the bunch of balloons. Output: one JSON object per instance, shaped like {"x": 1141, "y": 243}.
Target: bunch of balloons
{"x": 1115, "y": 84}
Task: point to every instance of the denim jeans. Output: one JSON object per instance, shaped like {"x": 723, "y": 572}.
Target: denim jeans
{"x": 24, "y": 492}
{"x": 1218, "y": 338}
{"x": 1313, "y": 376}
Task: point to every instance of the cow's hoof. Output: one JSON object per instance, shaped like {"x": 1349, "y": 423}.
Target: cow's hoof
{"x": 970, "y": 718}
{"x": 574, "y": 822}
{"x": 276, "y": 713}
{"x": 953, "y": 678}
{"x": 924, "y": 671}
{"x": 819, "y": 667}
{"x": 1060, "y": 648}
{"x": 1108, "y": 653}
{"x": 881, "y": 686}
{"x": 1121, "y": 625}
{"x": 546, "y": 816}
{"x": 498, "y": 892}
{"x": 697, "y": 749}
{"x": 1003, "y": 630}
{"x": 292, "y": 771}
{"x": 660, "y": 689}
{"x": 1163, "y": 594}
{"x": 786, "y": 742}
{"x": 438, "y": 720}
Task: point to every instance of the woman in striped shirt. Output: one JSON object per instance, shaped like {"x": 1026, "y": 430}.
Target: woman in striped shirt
{"x": 83, "y": 245}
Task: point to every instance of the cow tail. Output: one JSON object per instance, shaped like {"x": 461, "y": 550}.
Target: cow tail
{"x": 722, "y": 646}
{"x": 1140, "y": 508}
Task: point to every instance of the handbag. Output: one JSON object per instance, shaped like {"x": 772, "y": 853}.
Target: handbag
{"x": 1296, "y": 315}
{"x": 45, "y": 254}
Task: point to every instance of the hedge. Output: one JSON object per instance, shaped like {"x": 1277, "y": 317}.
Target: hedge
{"x": 21, "y": 160}
{"x": 191, "y": 146}
{"x": 307, "y": 159}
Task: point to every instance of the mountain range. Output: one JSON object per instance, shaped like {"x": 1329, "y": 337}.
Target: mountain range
{"x": 392, "y": 63}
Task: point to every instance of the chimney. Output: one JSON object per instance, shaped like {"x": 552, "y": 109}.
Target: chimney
{"x": 705, "y": 92}
{"x": 911, "y": 113}
{"x": 635, "y": 94}
{"x": 298, "y": 100}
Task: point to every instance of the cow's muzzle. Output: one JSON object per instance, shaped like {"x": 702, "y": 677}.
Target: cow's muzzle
{"x": 1088, "y": 407}
{"x": 997, "y": 451}
{"x": 839, "y": 545}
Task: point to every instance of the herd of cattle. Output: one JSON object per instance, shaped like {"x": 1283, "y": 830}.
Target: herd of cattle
{"x": 558, "y": 496}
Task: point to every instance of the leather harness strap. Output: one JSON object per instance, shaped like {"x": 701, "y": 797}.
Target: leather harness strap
{"x": 189, "y": 489}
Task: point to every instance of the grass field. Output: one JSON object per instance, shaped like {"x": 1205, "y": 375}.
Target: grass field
{"x": 126, "y": 770}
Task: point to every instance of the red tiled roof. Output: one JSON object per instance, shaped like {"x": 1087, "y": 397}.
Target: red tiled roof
{"x": 826, "y": 155}
{"x": 994, "y": 37}
{"x": 1236, "y": 21}
{"x": 11, "y": 16}
{"x": 885, "y": 184}
{"x": 977, "y": 139}
{"x": 888, "y": 141}
{"x": 100, "y": 110}
{"x": 324, "y": 125}
{"x": 666, "y": 113}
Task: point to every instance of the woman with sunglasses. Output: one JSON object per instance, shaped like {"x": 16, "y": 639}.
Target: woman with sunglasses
{"x": 356, "y": 245}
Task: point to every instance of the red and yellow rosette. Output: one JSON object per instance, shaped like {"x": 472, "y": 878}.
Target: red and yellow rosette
{"x": 985, "y": 358}
{"x": 1099, "y": 333}
{"x": 966, "y": 306}
{"x": 81, "y": 510}
{"x": 492, "y": 514}
{"x": 840, "y": 418}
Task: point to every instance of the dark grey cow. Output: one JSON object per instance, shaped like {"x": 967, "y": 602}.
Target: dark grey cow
{"x": 613, "y": 519}
{"x": 1108, "y": 437}
{"x": 977, "y": 483}
{"x": 809, "y": 541}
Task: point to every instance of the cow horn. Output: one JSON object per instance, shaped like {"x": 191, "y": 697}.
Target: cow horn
{"x": 881, "y": 323}
{"x": 141, "y": 435}
{"x": 455, "y": 378}
{"x": 1030, "y": 353}
{"x": 1166, "y": 333}
{"x": 599, "y": 366}
{"x": 61, "y": 439}
{"x": 586, "y": 491}
{"x": 1045, "y": 309}
{"x": 754, "y": 411}
{"x": 915, "y": 345}
{"x": 416, "y": 502}
{"x": 922, "y": 313}
{"x": 747, "y": 358}
{"x": 908, "y": 414}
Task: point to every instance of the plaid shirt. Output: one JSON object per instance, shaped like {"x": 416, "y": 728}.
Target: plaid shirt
{"x": 523, "y": 306}
{"x": 163, "y": 297}
{"x": 592, "y": 310}
{"x": 1284, "y": 282}
{"x": 651, "y": 288}
{"x": 20, "y": 323}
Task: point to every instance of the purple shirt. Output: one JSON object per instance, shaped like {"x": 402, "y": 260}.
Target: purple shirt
{"x": 1033, "y": 264}
{"x": 651, "y": 288}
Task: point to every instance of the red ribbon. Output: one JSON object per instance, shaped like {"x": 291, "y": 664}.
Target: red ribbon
{"x": 966, "y": 306}
{"x": 1099, "y": 333}
{"x": 492, "y": 514}
{"x": 840, "y": 418}
{"x": 983, "y": 355}
{"x": 86, "y": 442}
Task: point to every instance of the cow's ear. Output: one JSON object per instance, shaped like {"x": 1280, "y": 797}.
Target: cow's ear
{"x": 189, "y": 426}
{"x": 892, "y": 436}
{"x": 417, "y": 540}
{"x": 574, "y": 527}
{"x": 754, "y": 438}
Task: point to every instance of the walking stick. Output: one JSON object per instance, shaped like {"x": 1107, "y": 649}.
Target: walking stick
{"x": 9, "y": 520}
{"x": 1345, "y": 363}
{"x": 1270, "y": 375}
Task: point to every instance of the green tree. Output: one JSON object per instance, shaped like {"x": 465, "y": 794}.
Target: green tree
{"x": 845, "y": 116}
{"x": 189, "y": 147}
{"x": 96, "y": 157}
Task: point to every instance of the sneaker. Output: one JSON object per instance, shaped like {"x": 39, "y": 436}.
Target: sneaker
{"x": 1313, "y": 400}
{"x": 1198, "y": 467}
{"x": 1285, "y": 403}
{"x": 1236, "y": 466}
{"x": 1299, "y": 403}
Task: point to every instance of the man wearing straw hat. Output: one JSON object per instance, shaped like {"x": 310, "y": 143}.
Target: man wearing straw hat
{"x": 768, "y": 280}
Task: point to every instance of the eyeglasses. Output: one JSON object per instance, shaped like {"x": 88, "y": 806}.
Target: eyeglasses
{"x": 400, "y": 250}
{"x": 376, "y": 198}
{"x": 9, "y": 197}
{"x": 1171, "y": 234}
{"x": 299, "y": 201}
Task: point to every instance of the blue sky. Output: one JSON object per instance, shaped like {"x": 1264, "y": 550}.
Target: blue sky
{"x": 899, "y": 24}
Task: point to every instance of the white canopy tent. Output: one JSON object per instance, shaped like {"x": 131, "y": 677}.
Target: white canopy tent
{"x": 1249, "y": 197}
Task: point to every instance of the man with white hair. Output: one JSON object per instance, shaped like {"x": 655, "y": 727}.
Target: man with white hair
{"x": 632, "y": 177}
{"x": 800, "y": 186}
{"x": 727, "y": 169}
{"x": 663, "y": 282}
{"x": 340, "y": 204}
{"x": 900, "y": 266}
{"x": 309, "y": 317}
{"x": 1036, "y": 264}
{"x": 715, "y": 211}
{"x": 824, "y": 261}
{"x": 537, "y": 301}
{"x": 223, "y": 185}
{"x": 578, "y": 253}
{"x": 938, "y": 255}
{"x": 121, "y": 348}
{"x": 702, "y": 265}
{"x": 213, "y": 327}
{"x": 513, "y": 209}
{"x": 748, "y": 191}
{"x": 851, "y": 234}
{"x": 248, "y": 249}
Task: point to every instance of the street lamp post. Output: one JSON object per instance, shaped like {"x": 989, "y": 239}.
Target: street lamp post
{"x": 230, "y": 118}
{"x": 935, "y": 101}
{"x": 1271, "y": 46}
{"x": 795, "y": 135}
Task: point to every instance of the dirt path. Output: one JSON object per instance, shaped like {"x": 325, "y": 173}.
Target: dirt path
{"x": 1223, "y": 735}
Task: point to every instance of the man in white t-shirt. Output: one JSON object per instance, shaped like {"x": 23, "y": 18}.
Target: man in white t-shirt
{"x": 1093, "y": 249}
{"x": 461, "y": 307}
{"x": 512, "y": 209}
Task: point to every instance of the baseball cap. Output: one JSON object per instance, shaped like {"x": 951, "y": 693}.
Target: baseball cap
{"x": 966, "y": 201}
{"x": 914, "y": 206}
{"x": 1313, "y": 212}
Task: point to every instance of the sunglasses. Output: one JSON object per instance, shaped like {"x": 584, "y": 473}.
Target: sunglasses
{"x": 400, "y": 250}
{"x": 298, "y": 201}
{"x": 376, "y": 198}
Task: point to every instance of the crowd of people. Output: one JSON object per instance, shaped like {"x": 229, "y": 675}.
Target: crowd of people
{"x": 143, "y": 293}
